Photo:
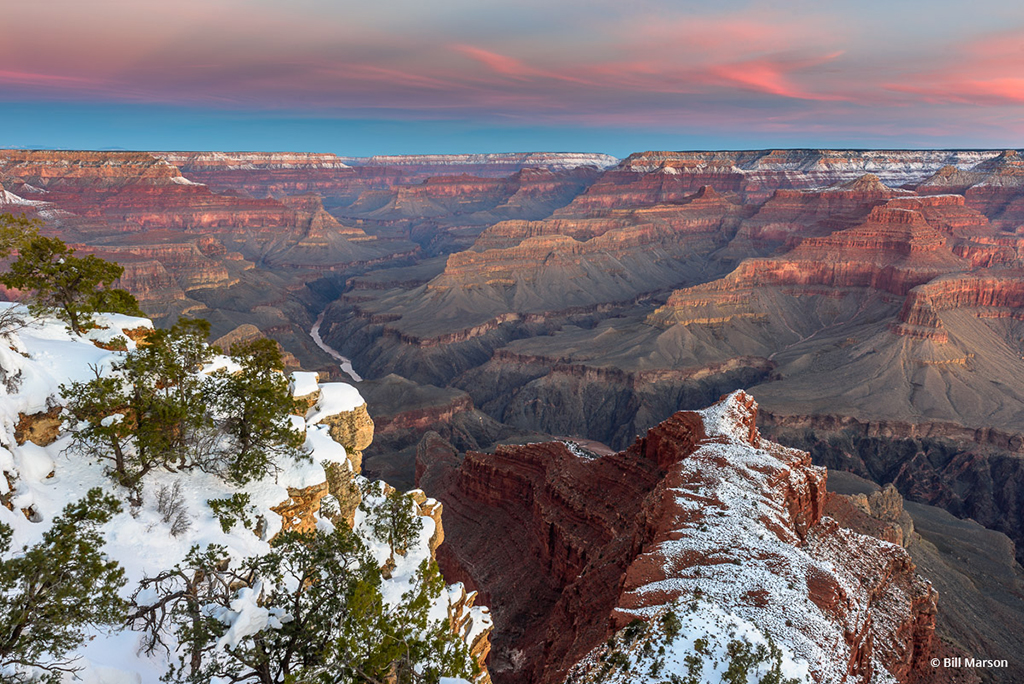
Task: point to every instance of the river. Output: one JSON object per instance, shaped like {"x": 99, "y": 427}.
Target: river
{"x": 346, "y": 364}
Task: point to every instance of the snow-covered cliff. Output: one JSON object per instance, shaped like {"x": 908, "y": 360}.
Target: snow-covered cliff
{"x": 43, "y": 472}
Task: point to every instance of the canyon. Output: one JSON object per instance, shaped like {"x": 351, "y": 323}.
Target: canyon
{"x": 872, "y": 302}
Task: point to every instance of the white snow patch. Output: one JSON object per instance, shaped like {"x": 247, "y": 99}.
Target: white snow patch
{"x": 335, "y": 398}
{"x": 304, "y": 383}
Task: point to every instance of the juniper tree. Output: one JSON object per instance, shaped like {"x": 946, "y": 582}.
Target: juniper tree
{"x": 325, "y": 617}
{"x": 53, "y": 591}
{"x": 16, "y": 231}
{"x": 394, "y": 521}
{"x": 252, "y": 408}
{"x": 151, "y": 409}
{"x": 114, "y": 300}
{"x": 61, "y": 282}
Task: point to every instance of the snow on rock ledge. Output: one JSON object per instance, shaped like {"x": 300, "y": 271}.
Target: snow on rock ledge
{"x": 340, "y": 407}
{"x": 701, "y": 509}
{"x": 739, "y": 523}
{"x": 41, "y": 473}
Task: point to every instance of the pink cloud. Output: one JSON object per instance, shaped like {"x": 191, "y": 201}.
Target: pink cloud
{"x": 30, "y": 79}
{"x": 996, "y": 91}
{"x": 773, "y": 77}
{"x": 981, "y": 71}
{"x": 512, "y": 67}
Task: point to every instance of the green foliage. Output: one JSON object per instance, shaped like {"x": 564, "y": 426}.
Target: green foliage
{"x": 394, "y": 522}
{"x": 253, "y": 407}
{"x": 633, "y": 631}
{"x": 151, "y": 411}
{"x": 746, "y": 659}
{"x": 328, "y": 621}
{"x": 671, "y": 624}
{"x": 115, "y": 300}
{"x": 643, "y": 644}
{"x": 56, "y": 589}
{"x": 230, "y": 510}
{"x": 60, "y": 281}
{"x": 157, "y": 410}
{"x": 16, "y": 231}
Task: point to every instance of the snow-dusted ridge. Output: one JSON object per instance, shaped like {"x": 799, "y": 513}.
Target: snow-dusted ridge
{"x": 549, "y": 160}
{"x": 35, "y": 361}
{"x": 237, "y": 161}
{"x": 741, "y": 547}
{"x": 893, "y": 167}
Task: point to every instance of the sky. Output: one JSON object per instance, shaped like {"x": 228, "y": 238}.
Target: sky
{"x": 416, "y": 76}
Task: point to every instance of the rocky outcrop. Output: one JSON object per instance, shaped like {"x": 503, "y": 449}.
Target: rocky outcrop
{"x": 879, "y": 514}
{"x": 41, "y": 428}
{"x": 354, "y": 431}
{"x": 299, "y": 511}
{"x": 972, "y": 474}
{"x": 599, "y": 541}
{"x": 758, "y": 173}
{"x": 794, "y": 214}
{"x": 185, "y": 262}
{"x": 992, "y": 294}
{"x": 893, "y": 250}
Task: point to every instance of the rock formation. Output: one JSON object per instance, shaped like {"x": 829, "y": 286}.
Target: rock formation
{"x": 701, "y": 506}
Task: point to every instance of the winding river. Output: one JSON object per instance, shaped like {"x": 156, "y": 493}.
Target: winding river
{"x": 346, "y": 365}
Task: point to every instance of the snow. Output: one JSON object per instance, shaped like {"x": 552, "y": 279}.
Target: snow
{"x": 235, "y": 161}
{"x": 335, "y": 398}
{"x": 34, "y": 363}
{"x": 550, "y": 160}
{"x": 304, "y": 383}
{"x": 699, "y": 621}
{"x": 736, "y": 517}
{"x": 10, "y": 198}
{"x": 728, "y": 418}
{"x": 821, "y": 167}
{"x": 579, "y": 451}
{"x": 248, "y": 617}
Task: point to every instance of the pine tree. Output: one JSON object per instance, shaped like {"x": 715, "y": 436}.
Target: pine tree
{"x": 62, "y": 282}
{"x": 53, "y": 591}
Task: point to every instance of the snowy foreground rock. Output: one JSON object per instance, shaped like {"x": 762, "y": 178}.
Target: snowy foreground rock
{"x": 700, "y": 554}
{"x": 43, "y": 473}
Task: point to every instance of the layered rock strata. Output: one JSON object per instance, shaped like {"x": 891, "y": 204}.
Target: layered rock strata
{"x": 701, "y": 505}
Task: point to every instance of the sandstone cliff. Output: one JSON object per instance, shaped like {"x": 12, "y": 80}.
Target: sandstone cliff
{"x": 701, "y": 505}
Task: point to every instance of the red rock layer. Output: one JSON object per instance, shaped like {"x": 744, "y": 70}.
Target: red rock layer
{"x": 278, "y": 174}
{"x": 1000, "y": 194}
{"x": 511, "y": 251}
{"x": 756, "y": 174}
{"x": 529, "y": 192}
{"x": 705, "y": 211}
{"x": 992, "y": 294}
{"x": 894, "y": 250}
{"x": 171, "y": 233}
{"x": 800, "y": 213}
{"x": 579, "y": 546}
